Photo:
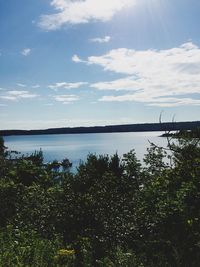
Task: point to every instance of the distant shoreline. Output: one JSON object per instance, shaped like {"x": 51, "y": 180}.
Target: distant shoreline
{"x": 144, "y": 127}
{"x": 193, "y": 133}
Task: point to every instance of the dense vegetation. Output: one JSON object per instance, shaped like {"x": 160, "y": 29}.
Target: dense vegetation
{"x": 194, "y": 133}
{"x": 111, "y": 212}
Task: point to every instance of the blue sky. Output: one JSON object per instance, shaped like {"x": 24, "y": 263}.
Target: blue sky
{"x": 96, "y": 62}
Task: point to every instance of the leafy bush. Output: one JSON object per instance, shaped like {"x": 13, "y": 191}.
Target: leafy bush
{"x": 25, "y": 248}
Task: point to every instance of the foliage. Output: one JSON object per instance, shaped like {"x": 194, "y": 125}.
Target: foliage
{"x": 184, "y": 134}
{"x": 112, "y": 212}
{"x": 26, "y": 248}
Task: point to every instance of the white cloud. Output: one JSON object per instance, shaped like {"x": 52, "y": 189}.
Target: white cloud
{"x": 48, "y": 104}
{"x": 26, "y": 52}
{"x": 21, "y": 85}
{"x": 76, "y": 59}
{"x": 24, "y": 85}
{"x": 66, "y": 99}
{"x": 65, "y": 85}
{"x": 157, "y": 102}
{"x": 127, "y": 83}
{"x": 177, "y": 102}
{"x": 105, "y": 39}
{"x": 15, "y": 95}
{"x": 36, "y": 86}
{"x": 81, "y": 11}
{"x": 152, "y": 74}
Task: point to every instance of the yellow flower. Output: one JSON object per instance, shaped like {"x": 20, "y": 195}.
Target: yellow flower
{"x": 66, "y": 252}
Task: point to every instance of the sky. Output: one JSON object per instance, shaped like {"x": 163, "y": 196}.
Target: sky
{"x": 66, "y": 63}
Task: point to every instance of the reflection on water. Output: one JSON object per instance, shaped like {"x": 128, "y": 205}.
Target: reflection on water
{"x": 76, "y": 147}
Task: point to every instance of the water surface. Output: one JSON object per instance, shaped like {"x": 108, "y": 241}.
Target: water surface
{"x": 76, "y": 147}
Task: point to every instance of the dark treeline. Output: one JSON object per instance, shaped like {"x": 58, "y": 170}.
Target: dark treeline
{"x": 165, "y": 126}
{"x": 113, "y": 212}
{"x": 194, "y": 133}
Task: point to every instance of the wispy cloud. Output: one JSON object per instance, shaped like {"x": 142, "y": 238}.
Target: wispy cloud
{"x": 124, "y": 84}
{"x": 21, "y": 84}
{"x": 15, "y": 95}
{"x": 156, "y": 77}
{"x": 105, "y": 39}
{"x": 26, "y": 52}
{"x": 84, "y": 11}
{"x": 152, "y": 101}
{"x": 48, "y": 104}
{"x": 24, "y": 85}
{"x": 77, "y": 59}
{"x": 66, "y": 99}
{"x": 35, "y": 86}
{"x": 65, "y": 85}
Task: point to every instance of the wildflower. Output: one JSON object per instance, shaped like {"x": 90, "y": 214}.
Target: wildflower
{"x": 66, "y": 252}
{"x": 65, "y": 256}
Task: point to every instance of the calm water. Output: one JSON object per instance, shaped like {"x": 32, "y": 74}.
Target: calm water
{"x": 76, "y": 147}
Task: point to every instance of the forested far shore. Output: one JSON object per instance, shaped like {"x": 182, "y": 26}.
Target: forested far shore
{"x": 145, "y": 127}
{"x": 193, "y": 133}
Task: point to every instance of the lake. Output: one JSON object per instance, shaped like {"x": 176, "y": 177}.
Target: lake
{"x": 76, "y": 147}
